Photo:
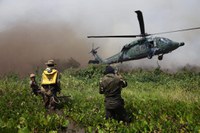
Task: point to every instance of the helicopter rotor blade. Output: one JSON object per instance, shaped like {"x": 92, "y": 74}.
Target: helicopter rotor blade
{"x": 116, "y": 36}
{"x": 142, "y": 29}
{"x": 141, "y": 22}
{"x": 195, "y": 28}
{"x": 143, "y": 35}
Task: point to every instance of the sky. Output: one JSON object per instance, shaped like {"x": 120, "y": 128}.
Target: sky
{"x": 35, "y": 30}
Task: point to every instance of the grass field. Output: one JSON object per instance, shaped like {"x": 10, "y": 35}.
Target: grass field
{"x": 158, "y": 101}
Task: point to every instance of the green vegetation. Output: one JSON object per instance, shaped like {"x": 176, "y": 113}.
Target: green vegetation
{"x": 21, "y": 111}
{"x": 158, "y": 101}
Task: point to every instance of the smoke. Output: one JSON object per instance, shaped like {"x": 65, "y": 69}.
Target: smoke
{"x": 26, "y": 46}
{"x": 33, "y": 31}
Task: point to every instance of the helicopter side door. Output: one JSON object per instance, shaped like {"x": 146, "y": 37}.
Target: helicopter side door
{"x": 138, "y": 51}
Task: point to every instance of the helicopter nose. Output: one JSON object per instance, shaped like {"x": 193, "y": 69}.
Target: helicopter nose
{"x": 181, "y": 44}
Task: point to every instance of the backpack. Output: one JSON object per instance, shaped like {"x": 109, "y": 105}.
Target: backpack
{"x": 49, "y": 78}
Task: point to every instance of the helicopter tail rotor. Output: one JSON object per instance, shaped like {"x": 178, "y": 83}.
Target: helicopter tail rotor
{"x": 94, "y": 50}
{"x": 97, "y": 59}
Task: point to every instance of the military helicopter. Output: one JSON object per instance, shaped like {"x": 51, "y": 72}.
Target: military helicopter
{"x": 146, "y": 46}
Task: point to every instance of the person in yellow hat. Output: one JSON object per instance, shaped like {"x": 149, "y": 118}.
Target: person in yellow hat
{"x": 50, "y": 83}
{"x": 33, "y": 84}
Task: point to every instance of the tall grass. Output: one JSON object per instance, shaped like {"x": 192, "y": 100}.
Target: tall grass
{"x": 158, "y": 102}
{"x": 23, "y": 112}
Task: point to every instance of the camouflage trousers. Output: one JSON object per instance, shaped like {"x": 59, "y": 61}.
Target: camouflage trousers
{"x": 49, "y": 96}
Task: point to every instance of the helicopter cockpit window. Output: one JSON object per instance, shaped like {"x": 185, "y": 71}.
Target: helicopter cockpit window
{"x": 165, "y": 40}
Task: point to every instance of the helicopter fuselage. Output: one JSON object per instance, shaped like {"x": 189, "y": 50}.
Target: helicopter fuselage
{"x": 144, "y": 47}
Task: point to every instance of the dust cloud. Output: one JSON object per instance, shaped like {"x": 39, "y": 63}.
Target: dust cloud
{"x": 33, "y": 31}
{"x": 26, "y": 46}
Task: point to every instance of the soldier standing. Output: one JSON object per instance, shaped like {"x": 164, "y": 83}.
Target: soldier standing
{"x": 50, "y": 84}
{"x": 111, "y": 86}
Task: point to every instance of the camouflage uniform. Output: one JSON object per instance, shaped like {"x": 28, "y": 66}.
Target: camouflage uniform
{"x": 111, "y": 86}
{"x": 50, "y": 90}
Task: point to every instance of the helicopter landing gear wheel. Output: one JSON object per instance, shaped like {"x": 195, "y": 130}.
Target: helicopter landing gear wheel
{"x": 160, "y": 57}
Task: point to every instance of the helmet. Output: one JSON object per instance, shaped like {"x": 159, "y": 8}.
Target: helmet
{"x": 32, "y": 75}
{"x": 109, "y": 69}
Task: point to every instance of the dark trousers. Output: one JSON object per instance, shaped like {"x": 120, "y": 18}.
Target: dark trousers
{"x": 50, "y": 91}
{"x": 119, "y": 114}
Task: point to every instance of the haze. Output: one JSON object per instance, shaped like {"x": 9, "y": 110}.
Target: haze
{"x": 35, "y": 30}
